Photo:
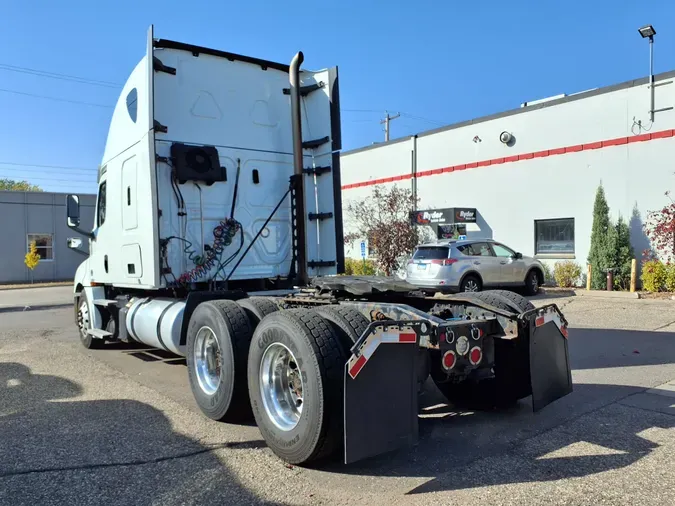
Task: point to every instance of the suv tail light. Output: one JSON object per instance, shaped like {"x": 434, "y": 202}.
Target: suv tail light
{"x": 444, "y": 261}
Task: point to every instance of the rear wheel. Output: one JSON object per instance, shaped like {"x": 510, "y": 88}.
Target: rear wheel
{"x": 471, "y": 283}
{"x": 218, "y": 337}
{"x": 346, "y": 321}
{"x": 257, "y": 308}
{"x": 295, "y": 379}
{"x": 520, "y": 301}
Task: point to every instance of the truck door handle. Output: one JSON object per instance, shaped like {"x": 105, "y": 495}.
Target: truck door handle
{"x": 476, "y": 262}
{"x": 503, "y": 262}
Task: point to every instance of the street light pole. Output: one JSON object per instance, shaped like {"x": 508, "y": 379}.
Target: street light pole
{"x": 651, "y": 76}
{"x": 648, "y": 32}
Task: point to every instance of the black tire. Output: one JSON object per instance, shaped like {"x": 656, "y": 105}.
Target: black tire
{"x": 469, "y": 281}
{"x": 318, "y": 432}
{"x": 88, "y": 341}
{"x": 532, "y": 282}
{"x": 232, "y": 330}
{"x": 257, "y": 308}
{"x": 520, "y": 301}
{"x": 511, "y": 380}
{"x": 503, "y": 299}
{"x": 346, "y": 321}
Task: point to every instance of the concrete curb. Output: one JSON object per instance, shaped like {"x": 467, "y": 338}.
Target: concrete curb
{"x": 581, "y": 292}
{"x": 27, "y": 286}
{"x": 37, "y": 307}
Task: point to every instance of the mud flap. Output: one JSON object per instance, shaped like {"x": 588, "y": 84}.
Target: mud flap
{"x": 550, "y": 373}
{"x": 380, "y": 394}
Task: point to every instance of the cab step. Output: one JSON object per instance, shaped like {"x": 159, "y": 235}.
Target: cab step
{"x": 105, "y": 302}
{"x": 99, "y": 333}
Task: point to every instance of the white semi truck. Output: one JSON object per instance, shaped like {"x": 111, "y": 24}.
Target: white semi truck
{"x": 218, "y": 237}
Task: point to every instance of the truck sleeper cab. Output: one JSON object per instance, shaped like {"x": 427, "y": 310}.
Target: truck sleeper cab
{"x": 217, "y": 237}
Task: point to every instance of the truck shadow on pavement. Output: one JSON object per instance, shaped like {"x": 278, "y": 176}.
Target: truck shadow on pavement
{"x": 57, "y": 450}
{"x": 607, "y": 423}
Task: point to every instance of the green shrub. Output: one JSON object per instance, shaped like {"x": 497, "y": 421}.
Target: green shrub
{"x": 548, "y": 274}
{"x": 566, "y": 273}
{"x": 654, "y": 276}
{"x": 363, "y": 267}
{"x": 670, "y": 277}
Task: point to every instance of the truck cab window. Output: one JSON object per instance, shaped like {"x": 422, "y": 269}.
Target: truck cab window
{"x": 100, "y": 216}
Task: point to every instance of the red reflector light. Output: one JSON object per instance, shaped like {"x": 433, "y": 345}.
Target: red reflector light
{"x": 475, "y": 356}
{"x": 449, "y": 359}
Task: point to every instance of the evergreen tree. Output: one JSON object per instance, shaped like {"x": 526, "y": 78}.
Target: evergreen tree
{"x": 624, "y": 255}
{"x": 602, "y": 253}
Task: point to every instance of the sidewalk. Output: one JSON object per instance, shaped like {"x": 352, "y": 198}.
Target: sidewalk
{"x": 24, "y": 299}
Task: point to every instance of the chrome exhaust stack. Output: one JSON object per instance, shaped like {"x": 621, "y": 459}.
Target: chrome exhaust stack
{"x": 298, "y": 165}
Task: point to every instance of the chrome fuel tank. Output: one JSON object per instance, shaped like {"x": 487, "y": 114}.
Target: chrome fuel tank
{"x": 157, "y": 322}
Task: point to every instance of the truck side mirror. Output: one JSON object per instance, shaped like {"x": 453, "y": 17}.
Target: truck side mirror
{"x": 518, "y": 255}
{"x": 73, "y": 210}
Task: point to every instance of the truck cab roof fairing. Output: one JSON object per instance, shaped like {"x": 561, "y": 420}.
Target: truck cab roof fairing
{"x": 131, "y": 117}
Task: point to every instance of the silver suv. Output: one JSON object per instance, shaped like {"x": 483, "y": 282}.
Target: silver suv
{"x": 471, "y": 265}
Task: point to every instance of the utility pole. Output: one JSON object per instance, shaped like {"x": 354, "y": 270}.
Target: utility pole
{"x": 386, "y": 121}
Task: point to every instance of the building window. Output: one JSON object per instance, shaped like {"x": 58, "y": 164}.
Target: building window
{"x": 553, "y": 237}
{"x": 132, "y": 104}
{"x": 43, "y": 244}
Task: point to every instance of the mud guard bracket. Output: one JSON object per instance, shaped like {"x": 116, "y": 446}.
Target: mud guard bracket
{"x": 381, "y": 404}
{"x": 550, "y": 372}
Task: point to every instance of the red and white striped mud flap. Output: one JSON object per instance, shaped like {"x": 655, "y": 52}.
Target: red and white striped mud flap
{"x": 552, "y": 316}
{"x": 390, "y": 335}
{"x": 381, "y": 391}
{"x": 550, "y": 372}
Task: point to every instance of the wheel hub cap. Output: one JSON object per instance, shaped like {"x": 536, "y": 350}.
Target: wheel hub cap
{"x": 208, "y": 360}
{"x": 281, "y": 386}
{"x": 83, "y": 318}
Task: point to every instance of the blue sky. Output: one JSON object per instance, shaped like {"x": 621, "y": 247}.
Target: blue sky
{"x": 436, "y": 62}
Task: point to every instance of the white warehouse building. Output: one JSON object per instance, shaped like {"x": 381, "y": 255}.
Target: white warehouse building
{"x": 528, "y": 177}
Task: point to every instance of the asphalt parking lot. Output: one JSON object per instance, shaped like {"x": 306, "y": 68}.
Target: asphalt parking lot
{"x": 117, "y": 426}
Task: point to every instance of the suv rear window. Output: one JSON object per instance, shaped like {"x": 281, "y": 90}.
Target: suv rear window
{"x": 431, "y": 253}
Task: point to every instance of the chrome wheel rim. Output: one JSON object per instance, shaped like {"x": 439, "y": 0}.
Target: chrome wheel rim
{"x": 535, "y": 284}
{"x": 83, "y": 320}
{"x": 281, "y": 386}
{"x": 471, "y": 286}
{"x": 208, "y": 360}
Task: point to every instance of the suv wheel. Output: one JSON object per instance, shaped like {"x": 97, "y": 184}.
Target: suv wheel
{"x": 471, "y": 283}
{"x": 532, "y": 283}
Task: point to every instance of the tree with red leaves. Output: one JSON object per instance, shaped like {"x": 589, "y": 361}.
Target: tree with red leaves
{"x": 660, "y": 229}
{"x": 384, "y": 219}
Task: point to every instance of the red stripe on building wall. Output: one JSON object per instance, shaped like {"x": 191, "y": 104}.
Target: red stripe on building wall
{"x": 525, "y": 156}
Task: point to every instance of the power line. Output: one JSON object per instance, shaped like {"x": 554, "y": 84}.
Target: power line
{"x": 56, "y": 99}
{"x": 88, "y": 173}
{"x": 422, "y": 119}
{"x": 55, "y": 75}
{"x": 61, "y": 167}
{"x": 30, "y": 178}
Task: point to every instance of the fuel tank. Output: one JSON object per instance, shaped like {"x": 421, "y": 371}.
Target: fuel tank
{"x": 157, "y": 322}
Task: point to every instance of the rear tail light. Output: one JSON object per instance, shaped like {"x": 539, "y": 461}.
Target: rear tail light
{"x": 475, "y": 355}
{"x": 449, "y": 359}
{"x": 444, "y": 261}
